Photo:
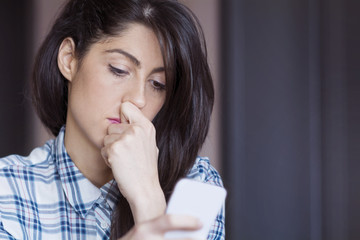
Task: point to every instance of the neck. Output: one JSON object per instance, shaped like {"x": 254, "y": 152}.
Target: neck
{"x": 87, "y": 157}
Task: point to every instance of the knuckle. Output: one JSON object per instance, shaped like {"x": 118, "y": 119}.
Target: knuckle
{"x": 103, "y": 153}
{"x": 135, "y": 129}
{"x": 113, "y": 148}
{"x": 106, "y": 140}
{"x": 126, "y": 140}
{"x": 140, "y": 231}
{"x": 152, "y": 130}
{"x": 169, "y": 220}
{"x": 150, "y": 126}
{"x": 128, "y": 136}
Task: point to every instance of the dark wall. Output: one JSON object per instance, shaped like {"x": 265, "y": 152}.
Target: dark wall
{"x": 353, "y": 111}
{"x": 291, "y": 98}
{"x": 14, "y": 43}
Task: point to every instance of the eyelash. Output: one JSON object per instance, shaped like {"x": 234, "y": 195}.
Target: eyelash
{"x": 157, "y": 86}
{"x": 117, "y": 72}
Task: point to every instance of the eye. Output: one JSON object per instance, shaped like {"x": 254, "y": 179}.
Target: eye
{"x": 157, "y": 86}
{"x": 117, "y": 71}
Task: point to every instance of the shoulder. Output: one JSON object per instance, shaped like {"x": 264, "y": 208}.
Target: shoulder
{"x": 37, "y": 156}
{"x": 16, "y": 170}
{"x": 203, "y": 171}
{"x": 27, "y": 182}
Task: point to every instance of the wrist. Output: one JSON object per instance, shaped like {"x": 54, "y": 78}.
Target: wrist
{"x": 148, "y": 205}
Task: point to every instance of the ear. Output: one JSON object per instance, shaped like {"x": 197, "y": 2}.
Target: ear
{"x": 66, "y": 58}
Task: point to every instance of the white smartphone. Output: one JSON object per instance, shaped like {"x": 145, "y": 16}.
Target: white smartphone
{"x": 193, "y": 198}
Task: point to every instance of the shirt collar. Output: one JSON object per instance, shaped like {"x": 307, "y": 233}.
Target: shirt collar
{"x": 111, "y": 193}
{"x": 80, "y": 192}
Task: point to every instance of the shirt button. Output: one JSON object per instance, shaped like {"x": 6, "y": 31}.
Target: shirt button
{"x": 104, "y": 225}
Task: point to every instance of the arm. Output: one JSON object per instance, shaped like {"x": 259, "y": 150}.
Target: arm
{"x": 130, "y": 151}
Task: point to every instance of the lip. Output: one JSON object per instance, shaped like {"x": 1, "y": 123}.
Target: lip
{"x": 114, "y": 120}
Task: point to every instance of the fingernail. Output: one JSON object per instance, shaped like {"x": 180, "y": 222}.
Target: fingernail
{"x": 199, "y": 224}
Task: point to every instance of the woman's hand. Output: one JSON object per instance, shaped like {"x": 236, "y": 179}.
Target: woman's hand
{"x": 130, "y": 151}
{"x": 156, "y": 228}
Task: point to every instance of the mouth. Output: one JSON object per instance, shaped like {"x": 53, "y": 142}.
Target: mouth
{"x": 114, "y": 120}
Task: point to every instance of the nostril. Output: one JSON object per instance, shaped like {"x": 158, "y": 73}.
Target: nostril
{"x": 138, "y": 100}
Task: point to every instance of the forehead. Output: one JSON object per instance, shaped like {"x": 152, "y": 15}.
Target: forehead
{"x": 136, "y": 38}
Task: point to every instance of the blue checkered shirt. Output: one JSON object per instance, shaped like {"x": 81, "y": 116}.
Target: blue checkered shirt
{"x": 45, "y": 196}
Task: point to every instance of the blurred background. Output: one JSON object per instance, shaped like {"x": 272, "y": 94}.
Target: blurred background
{"x": 285, "y": 132}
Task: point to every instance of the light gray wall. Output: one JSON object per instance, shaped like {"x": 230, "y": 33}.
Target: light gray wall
{"x": 208, "y": 13}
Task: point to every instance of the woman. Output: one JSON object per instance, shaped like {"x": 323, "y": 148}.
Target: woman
{"x": 126, "y": 88}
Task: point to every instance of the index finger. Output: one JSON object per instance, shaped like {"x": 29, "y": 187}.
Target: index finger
{"x": 178, "y": 222}
{"x": 129, "y": 113}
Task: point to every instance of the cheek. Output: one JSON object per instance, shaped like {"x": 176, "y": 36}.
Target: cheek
{"x": 92, "y": 96}
{"x": 154, "y": 108}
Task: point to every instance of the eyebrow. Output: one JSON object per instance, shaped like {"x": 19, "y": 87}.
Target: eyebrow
{"x": 157, "y": 70}
{"x": 126, "y": 54}
{"x": 134, "y": 59}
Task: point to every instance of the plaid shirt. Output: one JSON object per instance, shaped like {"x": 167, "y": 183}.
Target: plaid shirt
{"x": 45, "y": 196}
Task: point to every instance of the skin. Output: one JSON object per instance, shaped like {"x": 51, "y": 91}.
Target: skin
{"x": 114, "y": 93}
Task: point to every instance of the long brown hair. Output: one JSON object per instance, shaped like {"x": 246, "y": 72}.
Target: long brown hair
{"x": 182, "y": 123}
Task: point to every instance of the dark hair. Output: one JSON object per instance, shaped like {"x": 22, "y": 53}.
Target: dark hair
{"x": 182, "y": 123}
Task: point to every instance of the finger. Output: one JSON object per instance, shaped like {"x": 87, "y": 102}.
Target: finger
{"x": 129, "y": 113}
{"x": 104, "y": 154}
{"x": 178, "y": 222}
{"x": 117, "y": 128}
{"x": 111, "y": 138}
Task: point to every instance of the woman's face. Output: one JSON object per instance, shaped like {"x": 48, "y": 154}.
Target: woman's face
{"x": 125, "y": 68}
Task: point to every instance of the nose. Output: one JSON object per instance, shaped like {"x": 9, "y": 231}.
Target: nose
{"x": 136, "y": 95}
